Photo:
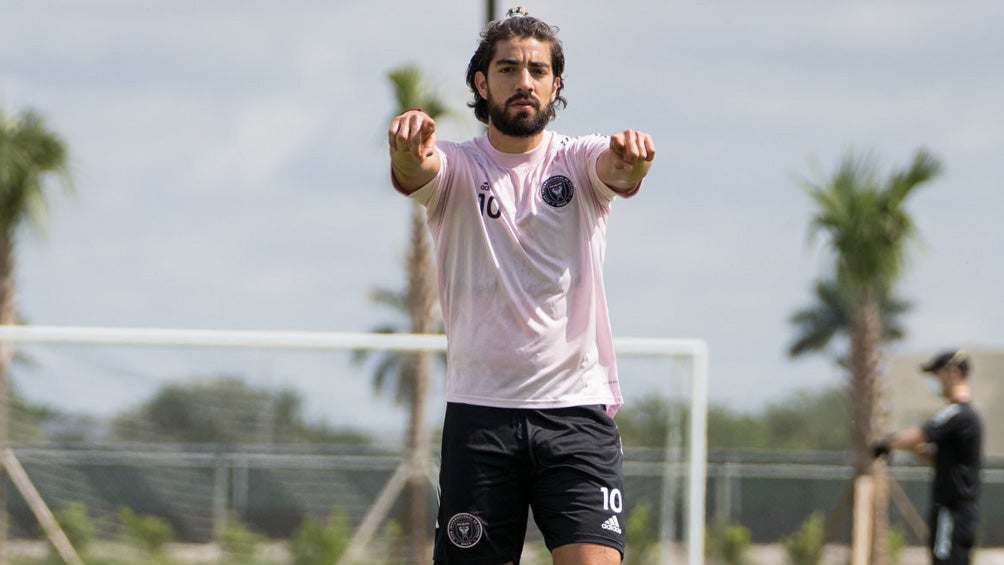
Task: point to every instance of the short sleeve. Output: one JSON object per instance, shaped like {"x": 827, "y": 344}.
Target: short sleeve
{"x": 944, "y": 424}
{"x": 591, "y": 147}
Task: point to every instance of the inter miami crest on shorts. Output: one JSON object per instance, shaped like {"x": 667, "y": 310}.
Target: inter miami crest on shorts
{"x": 464, "y": 530}
{"x": 557, "y": 191}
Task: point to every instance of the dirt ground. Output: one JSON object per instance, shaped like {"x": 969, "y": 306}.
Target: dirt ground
{"x": 840, "y": 555}
{"x": 25, "y": 553}
{"x": 773, "y": 554}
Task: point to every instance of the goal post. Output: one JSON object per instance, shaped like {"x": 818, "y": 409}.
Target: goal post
{"x": 694, "y": 350}
{"x": 697, "y": 428}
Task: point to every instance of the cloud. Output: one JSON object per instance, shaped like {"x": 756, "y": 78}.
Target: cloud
{"x": 258, "y": 143}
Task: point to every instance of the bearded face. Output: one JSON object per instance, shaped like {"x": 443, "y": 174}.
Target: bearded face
{"x": 519, "y": 116}
{"x": 519, "y": 87}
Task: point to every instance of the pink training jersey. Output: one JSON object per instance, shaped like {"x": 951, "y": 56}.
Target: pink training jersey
{"x": 520, "y": 241}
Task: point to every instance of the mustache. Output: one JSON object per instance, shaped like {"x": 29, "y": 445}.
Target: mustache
{"x": 523, "y": 98}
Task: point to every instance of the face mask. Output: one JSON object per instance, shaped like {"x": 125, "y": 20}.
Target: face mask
{"x": 934, "y": 386}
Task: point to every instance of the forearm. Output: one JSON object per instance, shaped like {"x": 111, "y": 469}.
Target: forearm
{"x": 617, "y": 174}
{"x": 908, "y": 440}
{"x": 410, "y": 175}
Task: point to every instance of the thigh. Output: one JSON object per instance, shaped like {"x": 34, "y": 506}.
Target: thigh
{"x": 580, "y": 553}
{"x": 483, "y": 494}
{"x": 952, "y": 536}
{"x": 577, "y": 491}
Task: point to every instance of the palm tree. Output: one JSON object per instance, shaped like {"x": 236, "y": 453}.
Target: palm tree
{"x": 868, "y": 228}
{"x": 819, "y": 324}
{"x": 29, "y": 154}
{"x": 408, "y": 373}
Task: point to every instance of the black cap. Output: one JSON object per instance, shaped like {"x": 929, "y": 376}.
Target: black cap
{"x": 954, "y": 358}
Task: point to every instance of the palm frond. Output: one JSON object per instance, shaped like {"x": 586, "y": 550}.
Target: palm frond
{"x": 407, "y": 370}
{"x": 924, "y": 167}
{"x": 388, "y": 369}
{"x": 410, "y": 92}
{"x": 818, "y": 325}
{"x": 864, "y": 218}
{"x": 406, "y": 82}
{"x": 395, "y": 299}
{"x": 359, "y": 356}
{"x": 29, "y": 154}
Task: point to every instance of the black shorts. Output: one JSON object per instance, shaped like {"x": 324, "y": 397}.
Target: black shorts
{"x": 563, "y": 463}
{"x": 953, "y": 533}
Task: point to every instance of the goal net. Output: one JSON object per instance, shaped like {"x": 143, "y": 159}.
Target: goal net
{"x": 274, "y": 447}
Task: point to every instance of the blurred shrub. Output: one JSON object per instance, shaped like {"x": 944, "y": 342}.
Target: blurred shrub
{"x": 237, "y": 543}
{"x": 317, "y": 543}
{"x": 148, "y": 532}
{"x": 77, "y": 525}
{"x": 728, "y": 544}
{"x": 805, "y": 547}
{"x": 641, "y": 534}
{"x": 897, "y": 541}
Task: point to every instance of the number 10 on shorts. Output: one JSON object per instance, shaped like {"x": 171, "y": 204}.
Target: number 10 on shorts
{"x": 612, "y": 499}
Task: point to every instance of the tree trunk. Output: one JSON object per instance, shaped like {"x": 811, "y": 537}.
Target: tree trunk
{"x": 868, "y": 419}
{"x": 421, "y": 299}
{"x": 6, "y": 354}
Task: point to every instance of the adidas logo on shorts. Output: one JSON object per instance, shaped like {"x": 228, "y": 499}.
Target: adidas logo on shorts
{"x": 612, "y": 524}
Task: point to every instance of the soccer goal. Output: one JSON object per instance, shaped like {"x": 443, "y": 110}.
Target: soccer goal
{"x": 258, "y": 463}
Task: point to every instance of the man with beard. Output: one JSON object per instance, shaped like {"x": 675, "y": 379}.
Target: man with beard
{"x": 518, "y": 217}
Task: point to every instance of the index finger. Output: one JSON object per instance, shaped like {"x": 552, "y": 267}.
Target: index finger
{"x": 401, "y": 129}
{"x": 422, "y": 129}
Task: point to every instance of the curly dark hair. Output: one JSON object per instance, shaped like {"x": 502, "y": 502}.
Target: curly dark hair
{"x": 521, "y": 26}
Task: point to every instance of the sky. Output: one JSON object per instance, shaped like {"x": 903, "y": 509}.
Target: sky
{"x": 230, "y": 170}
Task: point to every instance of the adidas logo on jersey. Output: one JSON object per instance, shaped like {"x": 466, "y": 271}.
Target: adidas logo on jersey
{"x": 612, "y": 524}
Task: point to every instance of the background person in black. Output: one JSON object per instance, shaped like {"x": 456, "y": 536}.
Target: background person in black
{"x": 953, "y": 440}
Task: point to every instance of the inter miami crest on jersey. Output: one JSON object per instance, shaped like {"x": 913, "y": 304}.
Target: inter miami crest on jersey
{"x": 557, "y": 191}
